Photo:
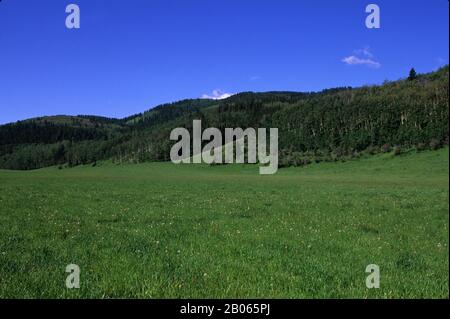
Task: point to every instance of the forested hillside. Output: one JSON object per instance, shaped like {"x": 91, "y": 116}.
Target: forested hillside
{"x": 334, "y": 124}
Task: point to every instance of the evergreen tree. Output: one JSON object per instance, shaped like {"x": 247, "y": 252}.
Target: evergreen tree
{"x": 412, "y": 75}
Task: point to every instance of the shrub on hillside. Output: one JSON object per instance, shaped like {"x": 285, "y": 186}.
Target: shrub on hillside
{"x": 371, "y": 150}
{"x": 340, "y": 152}
{"x": 421, "y": 147}
{"x": 397, "y": 150}
{"x": 435, "y": 144}
{"x": 386, "y": 148}
{"x": 355, "y": 155}
{"x": 306, "y": 161}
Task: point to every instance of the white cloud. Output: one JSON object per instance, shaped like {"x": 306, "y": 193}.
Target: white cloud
{"x": 217, "y": 95}
{"x": 362, "y": 57}
{"x": 354, "y": 60}
{"x": 366, "y": 52}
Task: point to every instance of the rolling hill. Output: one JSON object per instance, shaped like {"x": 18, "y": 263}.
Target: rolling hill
{"x": 330, "y": 125}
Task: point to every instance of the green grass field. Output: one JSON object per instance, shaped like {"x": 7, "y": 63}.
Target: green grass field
{"x": 158, "y": 230}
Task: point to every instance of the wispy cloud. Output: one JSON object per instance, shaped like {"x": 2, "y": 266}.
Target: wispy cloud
{"x": 255, "y": 78}
{"x": 362, "y": 57}
{"x": 365, "y": 52}
{"x": 217, "y": 95}
{"x": 353, "y": 60}
{"x": 441, "y": 61}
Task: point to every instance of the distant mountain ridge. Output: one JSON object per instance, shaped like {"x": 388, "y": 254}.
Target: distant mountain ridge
{"x": 338, "y": 123}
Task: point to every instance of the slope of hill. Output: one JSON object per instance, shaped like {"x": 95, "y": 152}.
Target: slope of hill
{"x": 333, "y": 124}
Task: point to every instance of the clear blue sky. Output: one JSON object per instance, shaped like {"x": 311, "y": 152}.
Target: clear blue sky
{"x": 131, "y": 55}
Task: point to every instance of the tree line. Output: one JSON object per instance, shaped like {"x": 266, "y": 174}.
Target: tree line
{"x": 334, "y": 124}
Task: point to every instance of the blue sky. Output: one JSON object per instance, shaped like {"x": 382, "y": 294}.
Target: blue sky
{"x": 129, "y": 56}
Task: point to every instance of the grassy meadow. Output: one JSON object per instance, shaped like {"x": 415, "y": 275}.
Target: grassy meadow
{"x": 159, "y": 230}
